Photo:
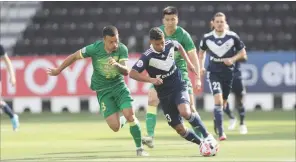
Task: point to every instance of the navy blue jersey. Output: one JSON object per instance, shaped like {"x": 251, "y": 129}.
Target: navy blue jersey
{"x": 162, "y": 65}
{"x": 220, "y": 47}
{"x": 2, "y": 51}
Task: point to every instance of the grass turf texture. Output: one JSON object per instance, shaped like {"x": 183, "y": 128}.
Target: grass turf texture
{"x": 86, "y": 137}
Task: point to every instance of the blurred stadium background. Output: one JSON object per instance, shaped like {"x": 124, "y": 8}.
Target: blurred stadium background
{"x": 38, "y": 35}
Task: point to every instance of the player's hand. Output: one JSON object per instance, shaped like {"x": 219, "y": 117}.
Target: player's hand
{"x": 203, "y": 71}
{"x": 228, "y": 62}
{"x": 192, "y": 69}
{"x": 53, "y": 71}
{"x": 198, "y": 84}
{"x": 156, "y": 81}
{"x": 112, "y": 61}
{"x": 12, "y": 81}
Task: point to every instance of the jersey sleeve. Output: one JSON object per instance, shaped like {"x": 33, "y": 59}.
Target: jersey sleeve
{"x": 141, "y": 64}
{"x": 202, "y": 45}
{"x": 2, "y": 51}
{"x": 87, "y": 51}
{"x": 238, "y": 43}
{"x": 123, "y": 56}
{"x": 188, "y": 43}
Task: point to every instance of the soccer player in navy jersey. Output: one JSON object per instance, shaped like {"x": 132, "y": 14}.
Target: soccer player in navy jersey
{"x": 225, "y": 49}
{"x": 239, "y": 91}
{"x": 3, "y": 105}
{"x": 169, "y": 84}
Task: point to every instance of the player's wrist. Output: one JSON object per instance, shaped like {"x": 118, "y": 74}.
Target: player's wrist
{"x": 150, "y": 80}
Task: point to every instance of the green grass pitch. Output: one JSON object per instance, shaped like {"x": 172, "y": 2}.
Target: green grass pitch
{"x": 86, "y": 137}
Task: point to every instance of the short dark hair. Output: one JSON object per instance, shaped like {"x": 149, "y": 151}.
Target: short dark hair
{"x": 156, "y": 34}
{"x": 109, "y": 31}
{"x": 170, "y": 10}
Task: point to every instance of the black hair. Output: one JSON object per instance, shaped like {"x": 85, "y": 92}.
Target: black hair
{"x": 170, "y": 10}
{"x": 156, "y": 34}
{"x": 109, "y": 31}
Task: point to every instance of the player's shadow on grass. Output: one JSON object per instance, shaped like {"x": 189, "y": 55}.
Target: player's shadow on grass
{"x": 111, "y": 151}
{"x": 76, "y": 156}
{"x": 232, "y": 137}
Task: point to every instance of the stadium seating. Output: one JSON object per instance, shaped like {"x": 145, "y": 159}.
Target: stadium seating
{"x": 63, "y": 27}
{"x": 14, "y": 18}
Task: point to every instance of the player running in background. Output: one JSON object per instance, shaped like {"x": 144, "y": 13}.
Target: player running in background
{"x": 170, "y": 86}
{"x": 239, "y": 91}
{"x": 3, "y": 105}
{"x": 109, "y": 65}
{"x": 225, "y": 49}
{"x": 173, "y": 32}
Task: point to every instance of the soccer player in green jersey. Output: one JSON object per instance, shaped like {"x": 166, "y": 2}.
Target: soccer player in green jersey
{"x": 109, "y": 65}
{"x": 174, "y": 32}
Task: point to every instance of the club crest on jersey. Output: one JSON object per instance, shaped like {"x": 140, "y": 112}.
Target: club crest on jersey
{"x": 140, "y": 63}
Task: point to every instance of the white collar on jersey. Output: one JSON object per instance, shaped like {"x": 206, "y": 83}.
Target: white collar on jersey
{"x": 217, "y": 36}
{"x": 155, "y": 50}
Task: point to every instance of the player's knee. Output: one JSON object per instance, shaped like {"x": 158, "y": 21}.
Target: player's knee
{"x": 218, "y": 99}
{"x": 115, "y": 128}
{"x": 130, "y": 117}
{"x": 185, "y": 112}
{"x": 153, "y": 101}
{"x": 192, "y": 108}
{"x": 180, "y": 129}
{"x": 2, "y": 103}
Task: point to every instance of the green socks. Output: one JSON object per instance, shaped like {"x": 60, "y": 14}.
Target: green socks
{"x": 135, "y": 131}
{"x": 151, "y": 120}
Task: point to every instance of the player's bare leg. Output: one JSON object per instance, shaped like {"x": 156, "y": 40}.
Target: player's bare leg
{"x": 194, "y": 119}
{"x": 241, "y": 110}
{"x": 151, "y": 116}
{"x": 135, "y": 130}
{"x": 218, "y": 116}
{"x": 113, "y": 122}
{"x": 13, "y": 117}
{"x": 193, "y": 110}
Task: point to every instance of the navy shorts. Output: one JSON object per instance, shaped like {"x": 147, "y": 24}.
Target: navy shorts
{"x": 169, "y": 105}
{"x": 220, "y": 83}
{"x": 238, "y": 87}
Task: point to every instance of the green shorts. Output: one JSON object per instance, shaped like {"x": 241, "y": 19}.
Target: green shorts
{"x": 114, "y": 100}
{"x": 186, "y": 78}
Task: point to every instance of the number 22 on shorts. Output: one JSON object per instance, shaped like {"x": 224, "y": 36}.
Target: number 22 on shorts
{"x": 216, "y": 86}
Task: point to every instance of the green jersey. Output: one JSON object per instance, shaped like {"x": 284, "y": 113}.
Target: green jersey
{"x": 183, "y": 37}
{"x": 104, "y": 76}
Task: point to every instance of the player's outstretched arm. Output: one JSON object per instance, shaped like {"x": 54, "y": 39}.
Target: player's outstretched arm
{"x": 202, "y": 58}
{"x": 134, "y": 74}
{"x": 186, "y": 58}
{"x": 67, "y": 62}
{"x": 121, "y": 66}
{"x": 10, "y": 69}
{"x": 195, "y": 61}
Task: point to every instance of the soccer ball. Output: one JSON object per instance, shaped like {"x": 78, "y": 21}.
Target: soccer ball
{"x": 208, "y": 148}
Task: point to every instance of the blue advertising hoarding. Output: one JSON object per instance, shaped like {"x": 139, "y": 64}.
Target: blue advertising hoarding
{"x": 273, "y": 72}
